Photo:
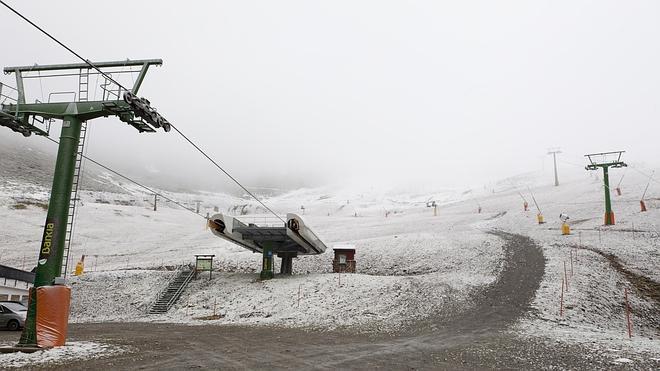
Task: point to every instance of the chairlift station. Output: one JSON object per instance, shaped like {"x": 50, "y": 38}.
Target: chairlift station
{"x": 288, "y": 240}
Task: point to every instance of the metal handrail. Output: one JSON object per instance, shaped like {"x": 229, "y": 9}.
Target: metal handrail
{"x": 158, "y": 296}
{"x": 11, "y": 99}
{"x": 8, "y": 86}
{"x": 62, "y": 93}
{"x": 178, "y": 292}
{"x": 261, "y": 220}
{"x": 107, "y": 92}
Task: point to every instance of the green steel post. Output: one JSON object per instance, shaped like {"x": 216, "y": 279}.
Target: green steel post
{"x": 609, "y": 215}
{"x": 19, "y": 87}
{"x": 49, "y": 264}
{"x": 267, "y": 267}
{"x": 140, "y": 78}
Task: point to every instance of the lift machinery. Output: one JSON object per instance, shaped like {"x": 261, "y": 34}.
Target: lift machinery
{"x": 288, "y": 239}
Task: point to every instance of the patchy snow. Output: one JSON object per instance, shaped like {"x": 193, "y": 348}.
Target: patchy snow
{"x": 73, "y": 350}
{"x": 411, "y": 264}
{"x": 395, "y": 286}
{"x": 594, "y": 304}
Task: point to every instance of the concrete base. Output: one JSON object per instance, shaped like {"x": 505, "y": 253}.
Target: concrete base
{"x": 266, "y": 275}
{"x": 609, "y": 218}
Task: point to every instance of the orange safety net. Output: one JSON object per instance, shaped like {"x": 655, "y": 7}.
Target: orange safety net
{"x": 52, "y": 315}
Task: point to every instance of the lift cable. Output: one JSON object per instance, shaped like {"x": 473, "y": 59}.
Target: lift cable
{"x": 645, "y": 174}
{"x": 226, "y": 173}
{"x": 135, "y": 182}
{"x": 121, "y": 86}
{"x": 60, "y": 43}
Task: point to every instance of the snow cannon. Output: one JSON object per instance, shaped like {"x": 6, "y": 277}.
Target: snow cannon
{"x": 80, "y": 267}
{"x": 565, "y": 228}
{"x": 286, "y": 239}
{"x": 539, "y": 218}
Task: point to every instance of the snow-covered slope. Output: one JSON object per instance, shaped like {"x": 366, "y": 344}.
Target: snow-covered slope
{"x": 411, "y": 264}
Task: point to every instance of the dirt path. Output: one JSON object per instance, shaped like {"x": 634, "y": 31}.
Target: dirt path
{"x": 475, "y": 338}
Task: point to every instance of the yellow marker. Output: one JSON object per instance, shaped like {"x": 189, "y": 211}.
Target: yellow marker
{"x": 565, "y": 229}
{"x": 539, "y": 217}
{"x": 80, "y": 267}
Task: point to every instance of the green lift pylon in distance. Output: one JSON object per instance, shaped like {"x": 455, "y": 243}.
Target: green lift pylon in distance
{"x": 606, "y": 160}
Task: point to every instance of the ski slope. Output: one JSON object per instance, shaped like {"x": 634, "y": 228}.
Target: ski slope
{"x": 411, "y": 264}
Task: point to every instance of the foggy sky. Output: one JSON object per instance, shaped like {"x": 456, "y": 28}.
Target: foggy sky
{"x": 291, "y": 93}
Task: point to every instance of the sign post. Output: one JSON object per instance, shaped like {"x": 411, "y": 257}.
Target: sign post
{"x": 204, "y": 263}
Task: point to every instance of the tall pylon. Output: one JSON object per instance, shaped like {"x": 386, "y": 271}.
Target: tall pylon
{"x": 554, "y": 152}
{"x": 17, "y": 114}
{"x": 606, "y": 160}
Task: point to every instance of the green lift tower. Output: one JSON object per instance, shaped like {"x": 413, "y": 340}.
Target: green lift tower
{"x": 606, "y": 160}
{"x": 80, "y": 106}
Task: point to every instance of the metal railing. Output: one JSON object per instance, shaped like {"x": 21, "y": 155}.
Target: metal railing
{"x": 50, "y": 95}
{"x": 111, "y": 89}
{"x": 178, "y": 292}
{"x": 173, "y": 277}
{"x": 4, "y": 97}
{"x": 262, "y": 220}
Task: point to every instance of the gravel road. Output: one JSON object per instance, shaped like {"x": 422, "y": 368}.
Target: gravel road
{"x": 476, "y": 338}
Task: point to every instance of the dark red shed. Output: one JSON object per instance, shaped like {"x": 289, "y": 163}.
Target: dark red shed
{"x": 344, "y": 260}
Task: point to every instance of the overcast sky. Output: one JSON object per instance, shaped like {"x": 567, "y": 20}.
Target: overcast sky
{"x": 451, "y": 93}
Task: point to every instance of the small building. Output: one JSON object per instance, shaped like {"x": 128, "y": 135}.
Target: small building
{"x": 15, "y": 283}
{"x": 344, "y": 261}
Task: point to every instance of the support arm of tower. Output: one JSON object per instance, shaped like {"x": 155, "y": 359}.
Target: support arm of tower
{"x": 77, "y": 66}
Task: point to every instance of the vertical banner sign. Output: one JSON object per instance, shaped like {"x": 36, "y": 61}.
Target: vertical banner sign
{"x": 48, "y": 242}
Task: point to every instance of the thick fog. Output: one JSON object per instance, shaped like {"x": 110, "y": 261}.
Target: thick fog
{"x": 303, "y": 93}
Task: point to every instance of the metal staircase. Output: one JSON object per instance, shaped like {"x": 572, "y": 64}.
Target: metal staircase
{"x": 83, "y": 96}
{"x": 173, "y": 291}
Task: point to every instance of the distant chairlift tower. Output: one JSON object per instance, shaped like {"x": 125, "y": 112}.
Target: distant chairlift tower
{"x": 554, "y": 152}
{"x": 28, "y": 118}
{"x": 606, "y": 160}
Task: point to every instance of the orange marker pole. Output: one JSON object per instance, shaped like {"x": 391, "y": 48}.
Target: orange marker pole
{"x": 565, "y": 276}
{"x": 299, "y": 288}
{"x": 561, "y": 301}
{"x": 625, "y": 293}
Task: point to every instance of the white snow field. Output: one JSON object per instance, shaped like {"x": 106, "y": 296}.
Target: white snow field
{"x": 411, "y": 264}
